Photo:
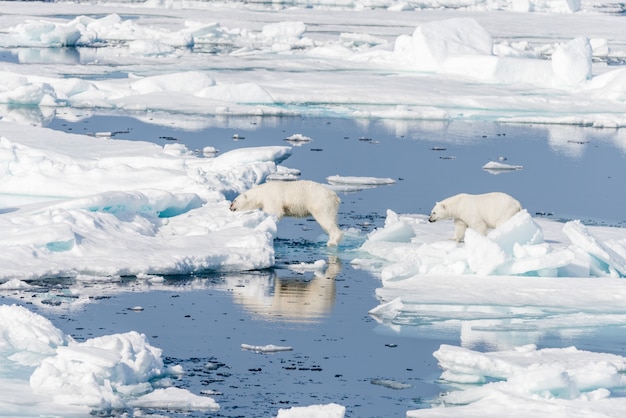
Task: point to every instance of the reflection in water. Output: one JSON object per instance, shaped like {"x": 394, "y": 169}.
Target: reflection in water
{"x": 270, "y": 295}
{"x": 290, "y": 297}
{"x": 568, "y": 140}
{"x": 48, "y": 56}
{"x": 493, "y": 327}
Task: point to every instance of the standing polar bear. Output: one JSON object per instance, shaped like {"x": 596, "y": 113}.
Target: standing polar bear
{"x": 479, "y": 212}
{"x": 299, "y": 199}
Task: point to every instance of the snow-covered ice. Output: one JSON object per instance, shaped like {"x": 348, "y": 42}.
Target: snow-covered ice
{"x": 269, "y": 348}
{"x": 91, "y": 208}
{"x": 313, "y": 411}
{"x": 463, "y": 62}
{"x": 526, "y": 380}
{"x": 165, "y": 206}
{"x": 109, "y": 372}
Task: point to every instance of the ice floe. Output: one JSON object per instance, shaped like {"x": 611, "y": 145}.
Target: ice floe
{"x": 100, "y": 374}
{"x": 522, "y": 78}
{"x": 165, "y": 206}
{"x": 526, "y": 380}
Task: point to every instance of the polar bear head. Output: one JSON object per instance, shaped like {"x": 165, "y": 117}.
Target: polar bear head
{"x": 244, "y": 202}
{"x": 440, "y": 211}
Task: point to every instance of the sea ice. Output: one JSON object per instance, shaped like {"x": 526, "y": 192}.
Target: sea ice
{"x": 332, "y": 410}
{"x": 102, "y": 373}
{"x": 516, "y": 247}
{"x": 563, "y": 381}
{"x": 270, "y": 348}
{"x": 164, "y": 205}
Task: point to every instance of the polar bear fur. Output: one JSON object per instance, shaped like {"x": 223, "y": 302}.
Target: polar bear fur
{"x": 479, "y": 212}
{"x": 300, "y": 199}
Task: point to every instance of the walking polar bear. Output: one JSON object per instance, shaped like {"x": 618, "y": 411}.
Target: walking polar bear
{"x": 479, "y": 212}
{"x": 298, "y": 199}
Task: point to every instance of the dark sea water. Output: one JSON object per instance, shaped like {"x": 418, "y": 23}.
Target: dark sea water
{"x": 339, "y": 353}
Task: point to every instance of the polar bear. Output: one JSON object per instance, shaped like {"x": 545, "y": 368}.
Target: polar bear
{"x": 299, "y": 199}
{"x": 479, "y": 212}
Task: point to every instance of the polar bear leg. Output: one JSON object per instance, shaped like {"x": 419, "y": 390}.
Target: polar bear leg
{"x": 459, "y": 230}
{"x": 481, "y": 227}
{"x": 327, "y": 219}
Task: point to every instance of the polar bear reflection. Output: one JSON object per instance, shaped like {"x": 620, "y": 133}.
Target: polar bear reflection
{"x": 291, "y": 298}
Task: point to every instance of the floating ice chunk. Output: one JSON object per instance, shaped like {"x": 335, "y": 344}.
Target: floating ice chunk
{"x": 242, "y": 156}
{"x": 484, "y": 255}
{"x": 614, "y": 263}
{"x": 270, "y": 348}
{"x": 99, "y": 371}
{"x": 355, "y": 180}
{"x": 298, "y": 139}
{"x": 112, "y": 371}
{"x": 564, "y": 381}
{"x": 210, "y": 151}
{"x": 537, "y": 258}
{"x": 43, "y": 33}
{"x": 174, "y": 399}
{"x": 434, "y": 42}
{"x": 318, "y": 265}
{"x": 391, "y": 384}
{"x": 284, "y": 174}
{"x": 388, "y": 310}
{"x": 27, "y": 338}
{"x": 571, "y": 64}
{"x": 496, "y": 167}
{"x": 520, "y": 229}
{"x": 283, "y": 36}
{"x": 14, "y": 284}
{"x": 398, "y": 231}
{"x": 331, "y": 410}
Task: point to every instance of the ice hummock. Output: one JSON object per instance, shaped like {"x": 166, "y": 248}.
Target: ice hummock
{"x": 104, "y": 373}
{"x": 412, "y": 247}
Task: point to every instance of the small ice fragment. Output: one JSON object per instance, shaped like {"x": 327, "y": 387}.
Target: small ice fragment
{"x": 237, "y": 137}
{"x": 437, "y": 148}
{"x": 366, "y": 181}
{"x": 136, "y": 308}
{"x": 270, "y": 348}
{"x": 391, "y": 384}
{"x": 298, "y": 138}
{"x": 210, "y": 151}
{"x": 318, "y": 265}
{"x": 103, "y": 134}
{"x": 494, "y": 165}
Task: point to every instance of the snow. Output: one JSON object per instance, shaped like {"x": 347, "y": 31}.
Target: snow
{"x": 90, "y": 208}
